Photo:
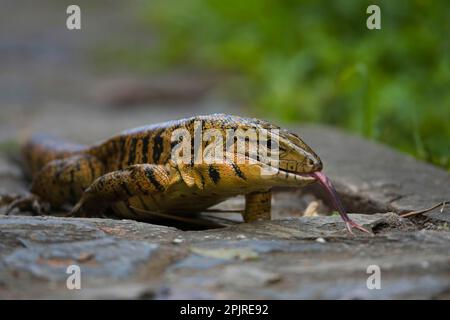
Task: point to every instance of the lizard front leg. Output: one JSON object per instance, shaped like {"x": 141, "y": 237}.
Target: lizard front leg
{"x": 257, "y": 206}
{"x": 120, "y": 185}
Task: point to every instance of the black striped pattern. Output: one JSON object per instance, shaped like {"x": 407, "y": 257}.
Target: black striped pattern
{"x": 121, "y": 149}
{"x": 158, "y": 147}
{"x": 238, "y": 171}
{"x": 150, "y": 173}
{"x": 214, "y": 174}
{"x": 145, "y": 149}
{"x": 132, "y": 151}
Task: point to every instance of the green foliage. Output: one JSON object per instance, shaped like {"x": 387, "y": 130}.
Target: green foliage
{"x": 317, "y": 61}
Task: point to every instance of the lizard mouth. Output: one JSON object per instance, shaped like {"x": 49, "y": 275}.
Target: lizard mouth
{"x": 292, "y": 175}
{"x": 310, "y": 176}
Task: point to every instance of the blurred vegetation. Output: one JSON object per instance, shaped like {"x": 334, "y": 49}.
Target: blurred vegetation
{"x": 316, "y": 61}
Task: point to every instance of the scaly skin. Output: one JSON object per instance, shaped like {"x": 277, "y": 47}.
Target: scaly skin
{"x": 134, "y": 173}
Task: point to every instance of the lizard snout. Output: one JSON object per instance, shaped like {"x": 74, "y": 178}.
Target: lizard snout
{"x": 314, "y": 164}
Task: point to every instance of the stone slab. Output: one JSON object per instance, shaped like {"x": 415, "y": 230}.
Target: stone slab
{"x": 307, "y": 257}
{"x": 375, "y": 178}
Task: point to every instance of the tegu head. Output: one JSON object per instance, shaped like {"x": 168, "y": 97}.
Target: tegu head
{"x": 294, "y": 161}
{"x": 296, "y": 156}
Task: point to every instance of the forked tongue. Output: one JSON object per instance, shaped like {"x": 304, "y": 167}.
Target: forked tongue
{"x": 331, "y": 191}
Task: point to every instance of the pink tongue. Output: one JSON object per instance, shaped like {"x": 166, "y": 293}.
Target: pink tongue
{"x": 326, "y": 183}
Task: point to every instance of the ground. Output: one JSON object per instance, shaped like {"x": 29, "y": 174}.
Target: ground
{"x": 50, "y": 84}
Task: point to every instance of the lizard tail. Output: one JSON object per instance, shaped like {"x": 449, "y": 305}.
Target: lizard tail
{"x": 40, "y": 149}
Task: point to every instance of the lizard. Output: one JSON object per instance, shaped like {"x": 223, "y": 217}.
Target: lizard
{"x": 136, "y": 175}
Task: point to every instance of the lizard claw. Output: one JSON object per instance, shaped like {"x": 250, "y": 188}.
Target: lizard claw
{"x": 29, "y": 202}
{"x": 6, "y": 199}
{"x": 77, "y": 210}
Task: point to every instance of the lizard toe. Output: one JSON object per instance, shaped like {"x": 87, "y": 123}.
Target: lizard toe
{"x": 28, "y": 203}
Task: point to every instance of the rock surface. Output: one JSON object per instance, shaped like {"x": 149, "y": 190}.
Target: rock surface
{"x": 280, "y": 259}
{"x": 376, "y": 178}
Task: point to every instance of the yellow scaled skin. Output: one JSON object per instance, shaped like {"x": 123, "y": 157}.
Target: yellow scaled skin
{"x": 134, "y": 172}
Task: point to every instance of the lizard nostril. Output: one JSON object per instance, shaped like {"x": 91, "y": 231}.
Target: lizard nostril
{"x": 318, "y": 165}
